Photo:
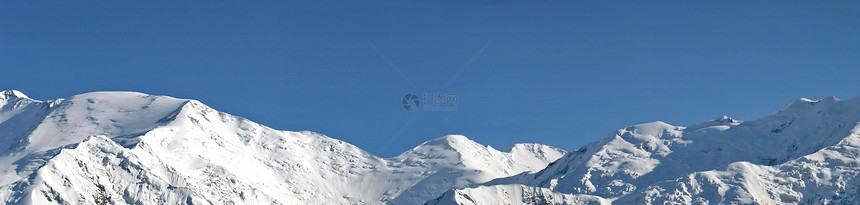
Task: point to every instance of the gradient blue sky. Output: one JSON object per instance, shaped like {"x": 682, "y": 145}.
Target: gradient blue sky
{"x": 558, "y": 73}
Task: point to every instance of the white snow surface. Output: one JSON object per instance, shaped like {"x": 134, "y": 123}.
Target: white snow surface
{"x": 134, "y": 148}
{"x": 512, "y": 194}
{"x": 808, "y": 152}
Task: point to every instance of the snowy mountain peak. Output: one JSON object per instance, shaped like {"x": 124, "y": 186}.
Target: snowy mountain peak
{"x": 13, "y": 103}
{"x": 459, "y": 162}
{"x": 449, "y": 146}
{"x": 725, "y": 119}
{"x": 535, "y": 147}
{"x": 120, "y": 97}
{"x": 533, "y": 152}
{"x": 721, "y": 123}
{"x": 452, "y": 141}
{"x": 12, "y": 94}
{"x": 656, "y": 128}
{"x": 805, "y": 103}
{"x": 827, "y": 99}
{"x": 807, "y": 100}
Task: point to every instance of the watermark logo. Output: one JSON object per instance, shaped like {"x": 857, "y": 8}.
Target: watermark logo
{"x": 427, "y": 101}
{"x": 431, "y": 102}
{"x": 411, "y": 102}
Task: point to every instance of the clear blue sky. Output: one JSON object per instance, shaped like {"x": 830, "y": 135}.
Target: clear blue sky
{"x": 563, "y": 74}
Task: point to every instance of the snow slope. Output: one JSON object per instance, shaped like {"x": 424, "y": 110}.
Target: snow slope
{"x": 134, "y": 148}
{"x": 513, "y": 194}
{"x": 805, "y": 153}
{"x": 476, "y": 164}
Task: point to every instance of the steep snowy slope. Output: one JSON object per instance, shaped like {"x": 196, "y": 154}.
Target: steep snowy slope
{"x": 130, "y": 148}
{"x": 425, "y": 171}
{"x": 34, "y": 130}
{"x": 512, "y": 194}
{"x": 827, "y": 176}
{"x": 805, "y": 153}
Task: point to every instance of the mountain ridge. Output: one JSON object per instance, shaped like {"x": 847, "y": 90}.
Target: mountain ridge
{"x": 128, "y": 147}
{"x": 182, "y": 151}
{"x": 804, "y": 153}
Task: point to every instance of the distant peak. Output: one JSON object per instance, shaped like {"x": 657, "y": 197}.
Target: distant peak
{"x": 519, "y": 146}
{"x": 455, "y": 139}
{"x": 445, "y": 144}
{"x": 724, "y": 119}
{"x": 651, "y": 126}
{"x": 12, "y": 94}
{"x": 806, "y": 102}
{"x": 121, "y": 97}
{"x": 826, "y": 100}
{"x": 109, "y": 94}
{"x": 529, "y": 146}
{"x": 719, "y": 121}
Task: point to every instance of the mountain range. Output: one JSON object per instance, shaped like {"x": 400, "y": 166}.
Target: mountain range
{"x": 805, "y": 153}
{"x": 135, "y": 148}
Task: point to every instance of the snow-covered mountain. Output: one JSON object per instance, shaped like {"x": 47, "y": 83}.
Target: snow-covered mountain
{"x": 806, "y": 153}
{"x": 134, "y": 148}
